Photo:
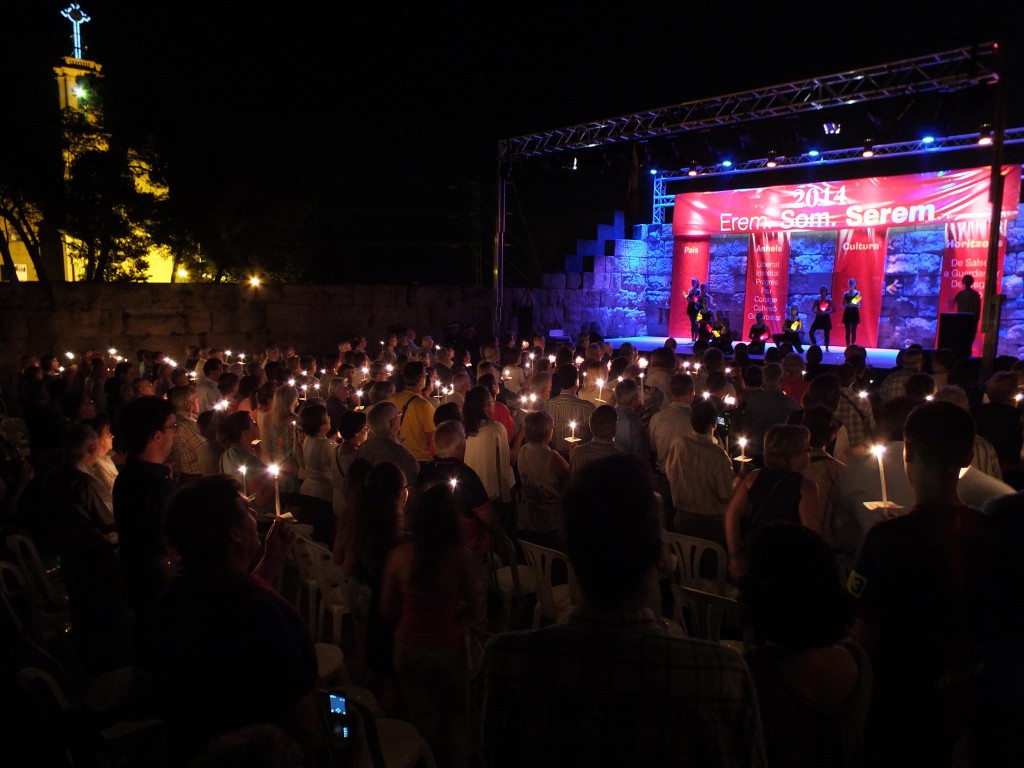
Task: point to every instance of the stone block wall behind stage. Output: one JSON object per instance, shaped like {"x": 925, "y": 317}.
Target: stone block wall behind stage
{"x": 1011, "y": 332}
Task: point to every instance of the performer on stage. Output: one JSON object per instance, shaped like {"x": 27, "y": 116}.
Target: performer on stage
{"x": 851, "y": 311}
{"x": 758, "y": 335}
{"x": 705, "y": 320}
{"x": 968, "y": 301}
{"x": 721, "y": 333}
{"x": 824, "y": 308}
{"x": 693, "y": 306}
{"x": 791, "y": 330}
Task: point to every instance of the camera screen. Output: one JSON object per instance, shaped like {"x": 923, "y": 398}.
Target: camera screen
{"x": 337, "y": 704}
{"x": 721, "y": 421}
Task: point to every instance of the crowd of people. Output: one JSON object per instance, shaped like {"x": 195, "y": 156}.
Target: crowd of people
{"x": 869, "y": 520}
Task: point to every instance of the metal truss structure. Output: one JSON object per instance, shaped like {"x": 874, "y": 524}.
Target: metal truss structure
{"x": 662, "y": 199}
{"x": 952, "y": 70}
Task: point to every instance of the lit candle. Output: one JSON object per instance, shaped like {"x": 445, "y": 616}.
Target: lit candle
{"x": 696, "y": 367}
{"x": 111, "y": 351}
{"x": 227, "y": 353}
{"x": 453, "y": 483}
{"x": 572, "y": 428}
{"x": 579, "y": 360}
{"x": 743, "y": 448}
{"x": 600, "y": 389}
{"x": 551, "y": 359}
{"x": 241, "y": 357}
{"x": 863, "y": 394}
{"x": 506, "y": 374}
{"x": 642, "y": 362}
{"x": 275, "y": 470}
{"x": 303, "y": 388}
{"x": 879, "y": 451}
{"x": 291, "y": 382}
{"x": 69, "y": 355}
{"x": 389, "y": 367}
{"x": 245, "y": 482}
{"x": 641, "y": 387}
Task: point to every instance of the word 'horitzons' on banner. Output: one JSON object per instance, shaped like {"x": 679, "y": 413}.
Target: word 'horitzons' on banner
{"x": 767, "y": 281}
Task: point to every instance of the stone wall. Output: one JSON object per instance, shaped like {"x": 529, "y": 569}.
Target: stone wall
{"x": 39, "y": 319}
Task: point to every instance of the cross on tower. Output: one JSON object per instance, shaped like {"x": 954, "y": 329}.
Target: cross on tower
{"x": 77, "y": 17}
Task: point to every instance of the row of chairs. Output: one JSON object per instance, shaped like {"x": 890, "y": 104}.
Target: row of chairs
{"x": 702, "y": 602}
{"x": 321, "y": 596}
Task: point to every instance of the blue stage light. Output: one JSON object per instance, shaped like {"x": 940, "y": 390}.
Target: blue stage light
{"x": 654, "y": 171}
{"x": 727, "y": 163}
{"x": 928, "y": 140}
{"x": 813, "y": 153}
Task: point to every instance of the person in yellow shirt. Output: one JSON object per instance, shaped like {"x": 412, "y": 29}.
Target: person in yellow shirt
{"x": 417, "y": 412}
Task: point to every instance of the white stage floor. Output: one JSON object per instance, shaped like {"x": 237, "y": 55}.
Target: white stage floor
{"x": 877, "y": 358}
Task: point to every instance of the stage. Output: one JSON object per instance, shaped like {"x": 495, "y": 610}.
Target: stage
{"x": 877, "y": 358}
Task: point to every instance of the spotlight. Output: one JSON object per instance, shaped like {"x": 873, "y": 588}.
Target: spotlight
{"x": 869, "y": 150}
{"x": 927, "y": 139}
{"x": 692, "y": 171}
{"x": 654, "y": 171}
{"x": 727, "y": 163}
{"x": 254, "y": 281}
{"x": 832, "y": 129}
{"x": 773, "y": 160}
{"x": 985, "y": 135}
{"x": 813, "y": 153}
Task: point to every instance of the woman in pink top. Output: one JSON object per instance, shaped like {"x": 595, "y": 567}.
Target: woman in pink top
{"x": 428, "y": 585}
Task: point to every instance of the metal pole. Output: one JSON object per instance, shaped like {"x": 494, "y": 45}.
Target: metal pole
{"x": 499, "y": 237}
{"x": 993, "y": 299}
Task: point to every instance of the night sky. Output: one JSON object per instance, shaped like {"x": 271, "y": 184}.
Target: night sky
{"x": 355, "y": 107}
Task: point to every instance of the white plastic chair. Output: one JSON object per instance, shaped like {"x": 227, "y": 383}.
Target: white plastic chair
{"x": 330, "y": 586}
{"x": 391, "y": 743}
{"x": 554, "y": 602}
{"x": 507, "y": 579}
{"x": 47, "y": 595}
{"x": 706, "y": 611}
{"x": 305, "y": 582}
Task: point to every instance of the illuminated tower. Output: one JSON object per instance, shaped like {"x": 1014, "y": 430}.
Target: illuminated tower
{"x": 79, "y": 103}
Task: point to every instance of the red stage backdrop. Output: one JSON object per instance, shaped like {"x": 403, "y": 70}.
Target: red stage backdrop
{"x": 862, "y": 208}
{"x": 767, "y": 281}
{"x": 860, "y": 254}
{"x": 966, "y": 253}
{"x": 689, "y": 259}
{"x": 920, "y": 198}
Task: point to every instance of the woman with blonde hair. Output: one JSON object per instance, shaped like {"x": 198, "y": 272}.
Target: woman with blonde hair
{"x": 777, "y": 492}
{"x": 281, "y": 442}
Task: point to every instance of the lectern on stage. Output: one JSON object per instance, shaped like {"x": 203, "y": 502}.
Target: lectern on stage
{"x": 956, "y": 332}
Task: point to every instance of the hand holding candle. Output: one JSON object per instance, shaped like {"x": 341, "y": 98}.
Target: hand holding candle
{"x": 275, "y": 472}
